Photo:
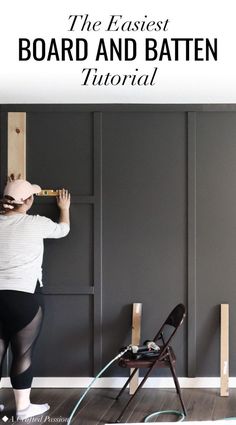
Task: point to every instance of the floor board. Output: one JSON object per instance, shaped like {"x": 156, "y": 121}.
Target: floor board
{"x": 100, "y": 407}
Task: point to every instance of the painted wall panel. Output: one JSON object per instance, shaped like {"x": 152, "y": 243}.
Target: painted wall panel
{"x": 68, "y": 262}
{"x": 144, "y": 223}
{"x": 59, "y": 150}
{"x": 216, "y": 235}
{"x": 65, "y": 344}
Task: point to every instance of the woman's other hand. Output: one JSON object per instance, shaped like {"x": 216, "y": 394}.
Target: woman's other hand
{"x": 63, "y": 199}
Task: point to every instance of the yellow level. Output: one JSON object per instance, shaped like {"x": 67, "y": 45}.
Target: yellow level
{"x": 48, "y": 192}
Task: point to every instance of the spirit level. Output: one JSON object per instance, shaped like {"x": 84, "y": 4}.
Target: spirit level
{"x": 48, "y": 192}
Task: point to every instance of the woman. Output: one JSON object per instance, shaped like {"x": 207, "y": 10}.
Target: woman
{"x": 21, "y": 299}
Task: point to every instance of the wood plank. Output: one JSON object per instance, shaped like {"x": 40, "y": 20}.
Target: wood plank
{"x": 135, "y": 340}
{"x": 200, "y": 403}
{"x": 100, "y": 407}
{"x": 224, "y": 406}
{"x": 97, "y": 407}
{"x": 151, "y": 400}
{"x": 224, "y": 350}
{"x": 17, "y": 144}
{"x": 115, "y": 410}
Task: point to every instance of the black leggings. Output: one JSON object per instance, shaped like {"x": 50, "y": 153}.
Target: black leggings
{"x": 21, "y": 316}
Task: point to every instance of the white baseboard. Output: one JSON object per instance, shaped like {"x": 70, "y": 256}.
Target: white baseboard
{"x": 69, "y": 382}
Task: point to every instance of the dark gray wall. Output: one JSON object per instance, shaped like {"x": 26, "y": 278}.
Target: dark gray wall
{"x": 152, "y": 221}
{"x": 216, "y": 234}
{"x": 144, "y": 221}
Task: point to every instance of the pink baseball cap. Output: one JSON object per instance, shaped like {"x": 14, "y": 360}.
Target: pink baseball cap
{"x": 20, "y": 190}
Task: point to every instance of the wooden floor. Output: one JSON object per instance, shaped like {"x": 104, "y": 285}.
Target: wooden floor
{"x": 99, "y": 406}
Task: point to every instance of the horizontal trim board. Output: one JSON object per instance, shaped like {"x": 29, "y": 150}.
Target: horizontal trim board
{"x": 78, "y": 382}
{"x": 119, "y": 107}
{"x": 75, "y": 199}
{"x": 64, "y": 291}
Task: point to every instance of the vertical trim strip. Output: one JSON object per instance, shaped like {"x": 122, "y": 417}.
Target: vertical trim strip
{"x": 135, "y": 340}
{"x": 3, "y": 149}
{"x": 192, "y": 309}
{"x": 97, "y": 303}
{"x": 16, "y": 159}
{"x": 224, "y": 350}
{"x": 17, "y": 144}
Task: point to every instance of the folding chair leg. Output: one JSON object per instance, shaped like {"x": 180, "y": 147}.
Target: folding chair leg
{"x": 131, "y": 398}
{"x": 177, "y": 386}
{"x": 126, "y": 383}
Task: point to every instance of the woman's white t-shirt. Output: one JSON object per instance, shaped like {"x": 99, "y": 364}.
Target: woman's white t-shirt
{"x": 21, "y": 249}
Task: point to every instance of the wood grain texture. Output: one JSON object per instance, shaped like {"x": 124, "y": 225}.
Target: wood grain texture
{"x": 99, "y": 406}
{"x": 224, "y": 351}
{"x": 17, "y": 144}
{"x": 136, "y": 334}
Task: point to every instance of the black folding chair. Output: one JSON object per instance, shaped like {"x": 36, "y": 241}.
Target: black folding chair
{"x": 165, "y": 356}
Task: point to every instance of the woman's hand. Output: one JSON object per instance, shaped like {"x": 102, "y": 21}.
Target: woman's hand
{"x": 63, "y": 199}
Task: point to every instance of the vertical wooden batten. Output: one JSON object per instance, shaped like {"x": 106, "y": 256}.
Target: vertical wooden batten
{"x": 224, "y": 350}
{"x": 16, "y": 158}
{"x": 136, "y": 334}
{"x": 16, "y": 163}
